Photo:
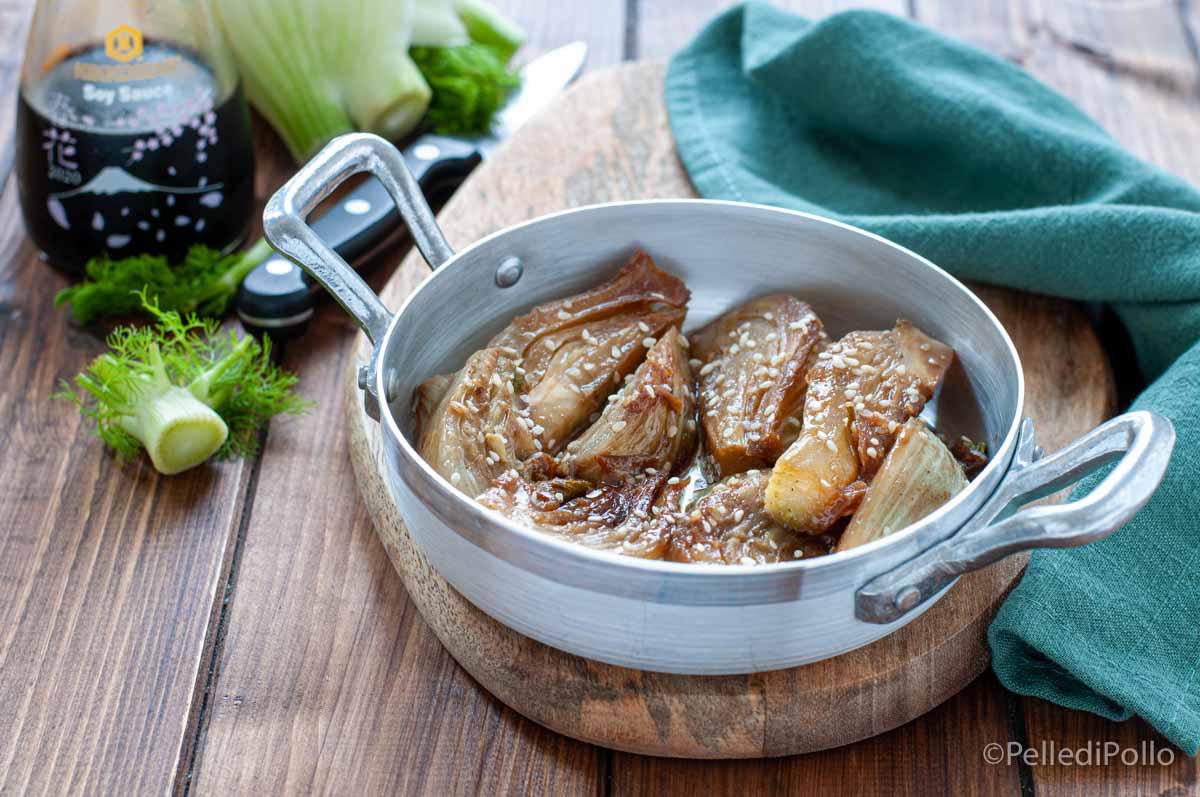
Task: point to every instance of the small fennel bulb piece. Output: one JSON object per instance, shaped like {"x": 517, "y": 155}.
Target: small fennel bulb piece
{"x": 918, "y": 475}
{"x": 182, "y": 391}
{"x": 178, "y": 430}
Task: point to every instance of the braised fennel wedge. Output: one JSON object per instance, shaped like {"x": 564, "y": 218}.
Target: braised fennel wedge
{"x": 182, "y": 390}
{"x": 648, "y": 423}
{"x": 633, "y": 518}
{"x": 918, "y": 475}
{"x": 860, "y": 391}
{"x": 728, "y": 524}
{"x": 753, "y": 363}
{"x": 576, "y": 351}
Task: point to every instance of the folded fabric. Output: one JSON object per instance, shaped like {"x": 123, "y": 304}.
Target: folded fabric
{"x": 881, "y": 123}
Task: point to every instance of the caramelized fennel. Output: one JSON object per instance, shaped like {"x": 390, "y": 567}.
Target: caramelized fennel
{"x": 476, "y": 432}
{"x": 918, "y": 475}
{"x": 648, "y": 426}
{"x": 860, "y": 391}
{"x": 574, "y": 418}
{"x": 753, "y": 361}
{"x": 634, "y": 518}
{"x": 574, "y": 352}
{"x": 729, "y": 525}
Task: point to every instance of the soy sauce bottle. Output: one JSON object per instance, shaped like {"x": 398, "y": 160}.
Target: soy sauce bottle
{"x": 133, "y": 134}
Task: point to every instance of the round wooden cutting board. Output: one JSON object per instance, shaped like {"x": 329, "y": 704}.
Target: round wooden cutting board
{"x": 607, "y": 139}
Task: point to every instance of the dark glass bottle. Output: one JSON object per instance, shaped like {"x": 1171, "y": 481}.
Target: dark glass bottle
{"x": 133, "y": 135}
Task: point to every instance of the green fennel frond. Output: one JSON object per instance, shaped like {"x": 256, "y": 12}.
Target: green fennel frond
{"x": 248, "y": 390}
{"x": 182, "y": 389}
{"x": 102, "y": 414}
{"x": 470, "y": 83}
{"x": 205, "y": 282}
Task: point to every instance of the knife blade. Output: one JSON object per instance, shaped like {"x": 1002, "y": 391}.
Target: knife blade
{"x": 278, "y": 298}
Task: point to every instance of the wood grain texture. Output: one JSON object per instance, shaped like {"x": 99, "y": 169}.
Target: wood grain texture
{"x": 109, "y": 575}
{"x": 1134, "y": 68}
{"x": 601, "y": 23}
{"x": 608, "y": 138}
{"x": 939, "y": 754}
{"x": 326, "y": 678}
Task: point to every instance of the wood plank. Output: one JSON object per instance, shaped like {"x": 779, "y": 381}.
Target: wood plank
{"x": 327, "y": 678}
{"x": 1160, "y": 768}
{"x": 109, "y": 575}
{"x": 548, "y": 25}
{"x": 1133, "y": 67}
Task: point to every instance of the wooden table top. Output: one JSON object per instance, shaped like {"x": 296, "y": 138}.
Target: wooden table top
{"x": 240, "y": 629}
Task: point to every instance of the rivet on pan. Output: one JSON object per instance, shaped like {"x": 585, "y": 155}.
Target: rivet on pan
{"x": 392, "y": 386}
{"x": 509, "y": 272}
{"x": 364, "y": 377}
{"x": 907, "y": 598}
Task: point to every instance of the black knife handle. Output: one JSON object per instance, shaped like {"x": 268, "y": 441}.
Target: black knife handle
{"x": 277, "y": 297}
{"x": 436, "y": 159}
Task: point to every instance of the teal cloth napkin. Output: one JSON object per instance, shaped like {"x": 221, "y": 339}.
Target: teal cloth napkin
{"x": 966, "y": 159}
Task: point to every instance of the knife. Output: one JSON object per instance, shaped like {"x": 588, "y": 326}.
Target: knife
{"x": 277, "y": 297}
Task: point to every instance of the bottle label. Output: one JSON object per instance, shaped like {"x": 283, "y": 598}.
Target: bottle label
{"x": 128, "y": 146}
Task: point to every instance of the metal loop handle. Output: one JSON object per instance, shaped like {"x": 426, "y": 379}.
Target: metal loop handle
{"x": 287, "y": 230}
{"x": 1141, "y": 440}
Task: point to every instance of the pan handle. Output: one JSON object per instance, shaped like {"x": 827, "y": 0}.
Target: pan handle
{"x": 286, "y": 228}
{"x": 285, "y": 225}
{"x": 1141, "y": 440}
